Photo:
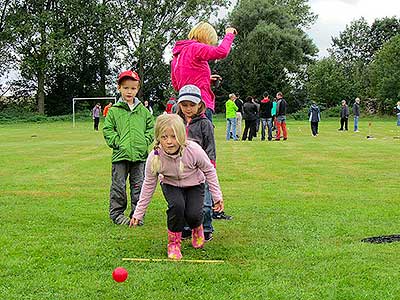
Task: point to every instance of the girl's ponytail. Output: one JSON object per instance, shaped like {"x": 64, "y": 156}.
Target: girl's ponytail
{"x": 155, "y": 164}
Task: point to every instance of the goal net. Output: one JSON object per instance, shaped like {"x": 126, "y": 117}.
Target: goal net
{"x": 94, "y": 99}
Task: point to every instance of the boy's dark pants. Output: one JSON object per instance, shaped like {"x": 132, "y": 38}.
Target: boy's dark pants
{"x": 314, "y": 128}
{"x": 184, "y": 204}
{"x": 345, "y": 122}
{"x": 118, "y": 197}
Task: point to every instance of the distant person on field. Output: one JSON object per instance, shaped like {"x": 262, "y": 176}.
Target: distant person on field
{"x": 230, "y": 114}
{"x": 239, "y": 116}
{"x": 266, "y": 117}
{"x": 344, "y": 116}
{"x": 170, "y": 104}
{"x": 397, "y": 112}
{"x": 147, "y": 105}
{"x": 356, "y": 113}
{"x": 273, "y": 114}
{"x": 96, "y": 111}
{"x": 250, "y": 117}
{"x": 182, "y": 167}
{"x": 281, "y": 107}
{"x": 314, "y": 116}
{"x": 255, "y": 101}
{"x": 128, "y": 130}
{"x": 190, "y": 60}
{"x": 106, "y": 108}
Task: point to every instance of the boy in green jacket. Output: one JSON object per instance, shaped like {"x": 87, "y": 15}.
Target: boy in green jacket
{"x": 128, "y": 130}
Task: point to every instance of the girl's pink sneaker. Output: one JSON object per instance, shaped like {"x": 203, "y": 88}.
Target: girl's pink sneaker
{"x": 198, "y": 237}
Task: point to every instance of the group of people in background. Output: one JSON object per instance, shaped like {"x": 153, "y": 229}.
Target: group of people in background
{"x": 269, "y": 114}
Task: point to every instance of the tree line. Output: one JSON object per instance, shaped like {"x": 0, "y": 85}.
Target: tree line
{"x": 71, "y": 48}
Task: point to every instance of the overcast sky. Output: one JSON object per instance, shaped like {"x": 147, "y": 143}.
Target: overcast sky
{"x": 334, "y": 15}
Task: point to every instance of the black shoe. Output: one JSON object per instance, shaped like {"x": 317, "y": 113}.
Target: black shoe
{"x": 284, "y": 139}
{"x": 208, "y": 236}
{"x": 221, "y": 216}
{"x": 186, "y": 234}
{"x": 340, "y": 129}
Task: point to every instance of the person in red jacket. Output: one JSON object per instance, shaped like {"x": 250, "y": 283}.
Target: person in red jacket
{"x": 190, "y": 60}
{"x": 106, "y": 108}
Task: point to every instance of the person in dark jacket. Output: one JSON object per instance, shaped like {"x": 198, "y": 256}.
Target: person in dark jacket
{"x": 250, "y": 117}
{"x": 266, "y": 116}
{"x": 281, "y": 106}
{"x": 397, "y": 112}
{"x": 314, "y": 115}
{"x": 356, "y": 113}
{"x": 344, "y": 116}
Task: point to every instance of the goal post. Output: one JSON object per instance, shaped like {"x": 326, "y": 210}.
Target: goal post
{"x": 74, "y": 100}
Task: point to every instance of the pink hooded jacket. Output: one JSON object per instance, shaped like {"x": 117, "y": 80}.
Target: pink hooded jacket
{"x": 190, "y": 65}
{"x": 197, "y": 169}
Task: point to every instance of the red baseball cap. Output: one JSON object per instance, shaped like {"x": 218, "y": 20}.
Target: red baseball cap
{"x": 128, "y": 74}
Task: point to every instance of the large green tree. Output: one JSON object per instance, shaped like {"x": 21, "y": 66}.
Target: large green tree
{"x": 385, "y": 74}
{"x": 271, "y": 49}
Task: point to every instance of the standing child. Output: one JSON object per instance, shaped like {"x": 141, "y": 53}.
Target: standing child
{"x": 106, "y": 108}
{"x": 397, "y": 112}
{"x": 96, "y": 111}
{"x": 314, "y": 116}
{"x": 128, "y": 130}
{"x": 182, "y": 168}
{"x": 200, "y": 130}
{"x": 344, "y": 116}
{"x": 190, "y": 61}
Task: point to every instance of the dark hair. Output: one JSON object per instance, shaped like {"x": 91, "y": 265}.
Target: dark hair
{"x": 249, "y": 99}
{"x": 265, "y": 94}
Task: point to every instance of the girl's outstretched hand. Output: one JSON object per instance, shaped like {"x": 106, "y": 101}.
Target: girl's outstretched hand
{"x": 231, "y": 30}
{"x": 134, "y": 222}
{"x": 218, "y": 207}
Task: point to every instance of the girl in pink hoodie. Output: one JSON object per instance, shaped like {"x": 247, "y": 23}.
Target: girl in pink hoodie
{"x": 190, "y": 61}
{"x": 182, "y": 167}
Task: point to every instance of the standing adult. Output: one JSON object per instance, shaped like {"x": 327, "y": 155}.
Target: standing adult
{"x": 344, "y": 116}
{"x": 250, "y": 117}
{"x": 314, "y": 115}
{"x": 255, "y": 101}
{"x": 239, "y": 116}
{"x": 356, "y": 113}
{"x": 190, "y": 60}
{"x": 96, "y": 111}
{"x": 266, "y": 116}
{"x": 397, "y": 112}
{"x": 281, "y": 107}
{"x": 230, "y": 114}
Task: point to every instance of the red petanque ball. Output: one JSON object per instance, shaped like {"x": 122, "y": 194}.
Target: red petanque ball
{"x": 120, "y": 274}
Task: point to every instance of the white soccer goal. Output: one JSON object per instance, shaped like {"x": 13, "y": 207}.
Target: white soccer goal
{"x": 80, "y": 99}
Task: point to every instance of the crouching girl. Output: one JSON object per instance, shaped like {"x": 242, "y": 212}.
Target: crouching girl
{"x": 182, "y": 168}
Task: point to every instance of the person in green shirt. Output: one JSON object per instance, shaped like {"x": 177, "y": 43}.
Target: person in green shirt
{"x": 230, "y": 114}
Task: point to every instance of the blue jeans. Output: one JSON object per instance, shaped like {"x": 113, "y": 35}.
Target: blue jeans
{"x": 356, "y": 123}
{"x": 398, "y": 120}
{"x": 207, "y": 210}
{"x": 209, "y": 114}
{"x": 266, "y": 123}
{"x": 231, "y": 123}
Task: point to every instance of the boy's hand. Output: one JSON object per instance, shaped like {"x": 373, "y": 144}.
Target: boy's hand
{"x": 134, "y": 222}
{"x": 215, "y": 77}
{"x": 219, "y": 206}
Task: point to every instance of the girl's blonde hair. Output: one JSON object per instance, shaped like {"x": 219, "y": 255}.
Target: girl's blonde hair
{"x": 164, "y": 122}
{"x": 204, "y": 33}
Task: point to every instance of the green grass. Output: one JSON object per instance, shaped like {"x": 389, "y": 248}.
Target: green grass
{"x": 300, "y": 209}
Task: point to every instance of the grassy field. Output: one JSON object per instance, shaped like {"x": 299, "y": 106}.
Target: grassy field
{"x": 300, "y": 209}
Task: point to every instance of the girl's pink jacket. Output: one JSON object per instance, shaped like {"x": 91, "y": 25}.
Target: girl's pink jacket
{"x": 190, "y": 65}
{"x": 197, "y": 169}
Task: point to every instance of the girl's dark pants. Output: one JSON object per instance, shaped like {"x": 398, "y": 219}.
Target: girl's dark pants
{"x": 184, "y": 205}
{"x": 96, "y": 123}
{"x": 249, "y": 125}
{"x": 345, "y": 122}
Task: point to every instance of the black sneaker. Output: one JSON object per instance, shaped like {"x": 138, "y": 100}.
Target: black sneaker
{"x": 208, "y": 236}
{"x": 186, "y": 234}
{"x": 122, "y": 220}
{"x": 221, "y": 216}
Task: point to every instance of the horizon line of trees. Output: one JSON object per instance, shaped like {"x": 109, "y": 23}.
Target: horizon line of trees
{"x": 69, "y": 48}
